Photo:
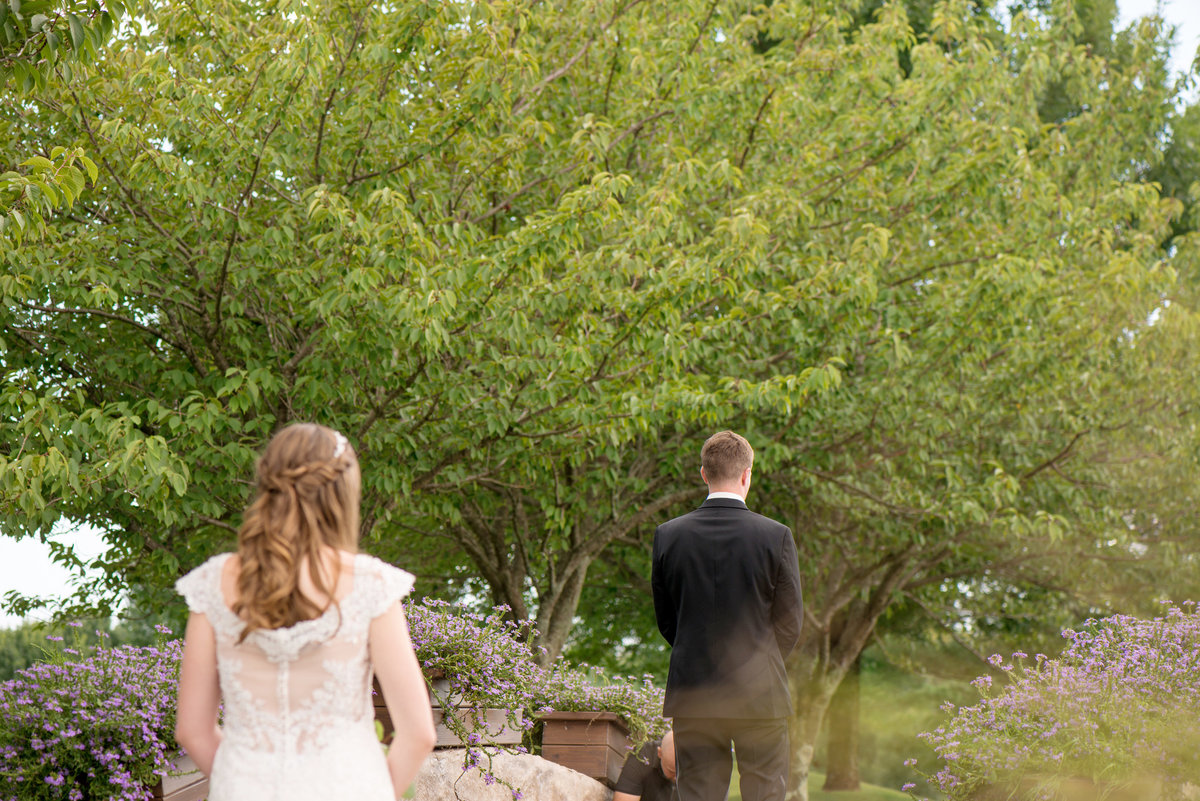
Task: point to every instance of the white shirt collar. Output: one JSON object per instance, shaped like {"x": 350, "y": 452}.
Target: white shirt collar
{"x": 732, "y": 496}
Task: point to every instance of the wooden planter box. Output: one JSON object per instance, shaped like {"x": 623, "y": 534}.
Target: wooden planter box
{"x": 185, "y": 783}
{"x": 593, "y": 743}
{"x": 496, "y": 721}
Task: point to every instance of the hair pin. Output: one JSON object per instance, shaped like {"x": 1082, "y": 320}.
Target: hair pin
{"x": 342, "y": 442}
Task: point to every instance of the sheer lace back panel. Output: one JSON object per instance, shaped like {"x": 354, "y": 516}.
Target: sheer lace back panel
{"x": 295, "y": 690}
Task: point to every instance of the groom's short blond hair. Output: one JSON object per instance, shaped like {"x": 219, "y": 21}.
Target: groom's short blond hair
{"x": 725, "y": 456}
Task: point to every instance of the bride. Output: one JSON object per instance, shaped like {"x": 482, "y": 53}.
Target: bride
{"x": 284, "y": 635}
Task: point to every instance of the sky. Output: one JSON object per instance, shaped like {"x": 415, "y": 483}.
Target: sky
{"x": 25, "y": 565}
{"x": 1185, "y": 14}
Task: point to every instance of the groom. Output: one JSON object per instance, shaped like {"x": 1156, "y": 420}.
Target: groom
{"x": 726, "y": 585}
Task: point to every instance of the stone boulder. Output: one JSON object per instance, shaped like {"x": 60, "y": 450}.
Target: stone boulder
{"x": 442, "y": 779}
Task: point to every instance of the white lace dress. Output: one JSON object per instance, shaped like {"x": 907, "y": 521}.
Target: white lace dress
{"x": 298, "y": 719}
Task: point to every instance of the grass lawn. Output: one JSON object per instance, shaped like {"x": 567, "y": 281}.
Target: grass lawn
{"x": 869, "y": 792}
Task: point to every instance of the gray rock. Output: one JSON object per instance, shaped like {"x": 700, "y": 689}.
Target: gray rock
{"x": 442, "y": 779}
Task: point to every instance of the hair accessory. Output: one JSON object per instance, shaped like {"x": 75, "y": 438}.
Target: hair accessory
{"x": 342, "y": 442}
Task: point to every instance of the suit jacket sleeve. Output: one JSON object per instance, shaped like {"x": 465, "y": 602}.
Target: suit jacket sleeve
{"x": 664, "y": 607}
{"x": 787, "y": 607}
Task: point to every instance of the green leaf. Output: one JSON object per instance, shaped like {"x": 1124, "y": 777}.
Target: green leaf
{"x": 76, "y": 29}
{"x": 40, "y": 162}
{"x": 90, "y": 166}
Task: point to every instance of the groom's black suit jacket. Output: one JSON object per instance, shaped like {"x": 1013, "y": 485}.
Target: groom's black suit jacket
{"x": 726, "y": 585}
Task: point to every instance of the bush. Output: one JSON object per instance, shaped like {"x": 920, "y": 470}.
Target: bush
{"x": 1117, "y": 707}
{"x": 488, "y": 662}
{"x": 95, "y": 727}
{"x": 101, "y": 725}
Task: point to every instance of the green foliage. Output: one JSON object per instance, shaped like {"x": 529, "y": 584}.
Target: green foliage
{"x": 27, "y": 198}
{"x": 895, "y": 704}
{"x": 38, "y": 36}
{"x": 528, "y": 254}
{"x": 1179, "y": 170}
{"x": 29, "y": 643}
{"x": 617, "y": 628}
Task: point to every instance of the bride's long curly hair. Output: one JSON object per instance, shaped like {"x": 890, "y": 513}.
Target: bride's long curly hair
{"x": 308, "y": 498}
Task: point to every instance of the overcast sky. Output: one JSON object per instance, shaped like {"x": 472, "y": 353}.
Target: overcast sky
{"x": 26, "y": 567}
{"x": 1185, "y": 14}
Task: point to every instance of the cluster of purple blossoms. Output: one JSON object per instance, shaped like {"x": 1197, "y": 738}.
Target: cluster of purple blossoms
{"x": 101, "y": 726}
{"x": 487, "y": 661}
{"x": 1117, "y": 706}
{"x": 94, "y": 727}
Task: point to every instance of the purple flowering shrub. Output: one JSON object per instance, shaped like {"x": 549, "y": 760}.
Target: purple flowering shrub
{"x": 487, "y": 662}
{"x": 585, "y": 688}
{"x": 99, "y": 726}
{"x": 1118, "y": 706}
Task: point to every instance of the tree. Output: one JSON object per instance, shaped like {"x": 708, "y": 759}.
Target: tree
{"x": 527, "y": 255}
{"x": 219, "y": 282}
{"x": 971, "y": 438}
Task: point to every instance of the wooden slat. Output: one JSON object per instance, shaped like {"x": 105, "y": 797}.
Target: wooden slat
{"x": 196, "y": 792}
{"x": 610, "y": 717}
{"x": 561, "y": 732}
{"x": 593, "y": 743}
{"x": 600, "y": 762}
{"x": 185, "y": 783}
{"x": 496, "y": 721}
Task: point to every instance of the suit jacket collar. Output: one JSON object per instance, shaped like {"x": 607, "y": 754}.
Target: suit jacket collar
{"x": 728, "y": 503}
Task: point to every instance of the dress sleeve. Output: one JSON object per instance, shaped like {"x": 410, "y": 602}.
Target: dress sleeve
{"x": 389, "y": 585}
{"x": 201, "y": 587}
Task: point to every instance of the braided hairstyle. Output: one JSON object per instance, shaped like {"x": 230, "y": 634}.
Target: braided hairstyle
{"x": 308, "y": 496}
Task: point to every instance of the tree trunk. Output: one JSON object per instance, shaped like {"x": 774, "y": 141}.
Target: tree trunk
{"x": 555, "y": 615}
{"x": 842, "y": 724}
{"x": 811, "y": 692}
{"x": 802, "y": 742}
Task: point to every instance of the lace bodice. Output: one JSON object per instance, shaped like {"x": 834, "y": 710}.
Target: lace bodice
{"x": 298, "y": 694}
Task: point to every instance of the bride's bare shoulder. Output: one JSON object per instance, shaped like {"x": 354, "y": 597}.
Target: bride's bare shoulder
{"x": 229, "y": 577}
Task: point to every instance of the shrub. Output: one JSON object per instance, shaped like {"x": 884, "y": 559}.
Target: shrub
{"x": 1117, "y": 707}
{"x": 488, "y": 662}
{"x": 100, "y": 725}
{"x": 95, "y": 727}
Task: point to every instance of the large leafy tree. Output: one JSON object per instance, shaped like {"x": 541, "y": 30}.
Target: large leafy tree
{"x": 393, "y": 221}
{"x": 976, "y": 440}
{"x": 527, "y": 255}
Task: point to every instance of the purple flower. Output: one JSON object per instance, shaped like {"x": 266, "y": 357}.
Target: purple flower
{"x": 1116, "y": 705}
{"x": 103, "y": 720}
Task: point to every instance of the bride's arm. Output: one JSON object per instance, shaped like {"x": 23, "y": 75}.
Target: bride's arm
{"x": 199, "y": 694}
{"x": 406, "y": 695}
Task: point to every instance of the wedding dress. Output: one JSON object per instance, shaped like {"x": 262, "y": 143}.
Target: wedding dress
{"x": 298, "y": 720}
